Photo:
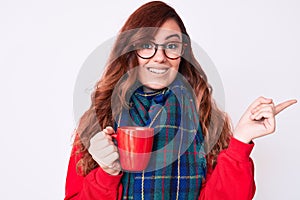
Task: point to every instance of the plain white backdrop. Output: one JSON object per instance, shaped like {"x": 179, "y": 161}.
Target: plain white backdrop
{"x": 43, "y": 44}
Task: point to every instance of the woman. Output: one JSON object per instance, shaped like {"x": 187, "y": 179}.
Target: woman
{"x": 150, "y": 69}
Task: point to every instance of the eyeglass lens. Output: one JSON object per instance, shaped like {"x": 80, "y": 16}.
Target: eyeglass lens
{"x": 147, "y": 50}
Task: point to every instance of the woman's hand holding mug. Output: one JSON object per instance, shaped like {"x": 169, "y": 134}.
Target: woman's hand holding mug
{"x": 104, "y": 151}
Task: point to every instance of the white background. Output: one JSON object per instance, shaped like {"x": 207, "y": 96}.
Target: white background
{"x": 43, "y": 44}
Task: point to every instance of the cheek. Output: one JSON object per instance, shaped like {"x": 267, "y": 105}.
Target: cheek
{"x": 175, "y": 67}
{"x": 141, "y": 61}
{"x": 175, "y": 64}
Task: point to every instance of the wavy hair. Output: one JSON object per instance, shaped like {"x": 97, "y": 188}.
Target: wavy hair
{"x": 215, "y": 123}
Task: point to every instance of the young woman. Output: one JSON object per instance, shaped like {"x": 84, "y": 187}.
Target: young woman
{"x": 150, "y": 70}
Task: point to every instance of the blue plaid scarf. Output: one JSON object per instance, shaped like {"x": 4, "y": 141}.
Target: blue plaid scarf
{"x": 178, "y": 167}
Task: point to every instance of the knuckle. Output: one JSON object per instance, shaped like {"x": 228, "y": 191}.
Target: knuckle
{"x": 92, "y": 140}
{"x": 115, "y": 155}
{"x": 91, "y": 150}
{"x": 104, "y": 131}
{"x": 267, "y": 108}
{"x": 274, "y": 129}
{"x": 115, "y": 148}
{"x": 92, "y": 145}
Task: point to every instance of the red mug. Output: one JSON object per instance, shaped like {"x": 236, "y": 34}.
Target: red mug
{"x": 135, "y": 147}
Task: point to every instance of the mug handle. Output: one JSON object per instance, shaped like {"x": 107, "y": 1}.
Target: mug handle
{"x": 114, "y": 135}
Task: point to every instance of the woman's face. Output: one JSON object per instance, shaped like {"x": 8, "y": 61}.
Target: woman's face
{"x": 160, "y": 71}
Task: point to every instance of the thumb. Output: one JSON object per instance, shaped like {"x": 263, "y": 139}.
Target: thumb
{"x": 108, "y": 130}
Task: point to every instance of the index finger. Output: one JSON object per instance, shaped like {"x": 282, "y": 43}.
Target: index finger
{"x": 280, "y": 107}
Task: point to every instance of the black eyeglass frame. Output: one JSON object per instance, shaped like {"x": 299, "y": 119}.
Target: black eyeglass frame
{"x": 184, "y": 45}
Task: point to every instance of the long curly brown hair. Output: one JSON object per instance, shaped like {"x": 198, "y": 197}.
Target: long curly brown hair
{"x": 215, "y": 123}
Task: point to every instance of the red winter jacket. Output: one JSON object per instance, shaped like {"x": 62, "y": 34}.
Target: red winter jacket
{"x": 232, "y": 178}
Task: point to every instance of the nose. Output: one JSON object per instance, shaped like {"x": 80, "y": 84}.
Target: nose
{"x": 159, "y": 56}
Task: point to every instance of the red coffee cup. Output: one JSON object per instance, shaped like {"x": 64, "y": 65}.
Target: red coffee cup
{"x": 135, "y": 147}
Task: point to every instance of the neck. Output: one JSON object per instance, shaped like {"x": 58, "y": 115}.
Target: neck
{"x": 151, "y": 90}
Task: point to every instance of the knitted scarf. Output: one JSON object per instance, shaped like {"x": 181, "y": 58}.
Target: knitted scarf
{"x": 178, "y": 167}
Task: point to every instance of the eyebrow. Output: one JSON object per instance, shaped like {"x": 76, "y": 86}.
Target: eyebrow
{"x": 174, "y": 35}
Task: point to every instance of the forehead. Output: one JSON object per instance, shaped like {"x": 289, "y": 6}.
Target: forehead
{"x": 169, "y": 30}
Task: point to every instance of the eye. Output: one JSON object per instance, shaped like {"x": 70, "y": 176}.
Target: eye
{"x": 172, "y": 46}
{"x": 145, "y": 45}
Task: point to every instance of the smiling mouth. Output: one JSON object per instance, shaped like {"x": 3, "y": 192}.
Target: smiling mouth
{"x": 157, "y": 71}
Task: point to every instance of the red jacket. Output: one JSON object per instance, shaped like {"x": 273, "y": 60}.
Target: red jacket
{"x": 232, "y": 178}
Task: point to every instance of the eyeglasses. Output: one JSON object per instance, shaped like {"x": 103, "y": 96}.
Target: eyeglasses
{"x": 172, "y": 50}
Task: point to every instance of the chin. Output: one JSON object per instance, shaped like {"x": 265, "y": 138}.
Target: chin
{"x": 154, "y": 86}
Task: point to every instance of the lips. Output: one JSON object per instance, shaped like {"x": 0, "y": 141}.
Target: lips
{"x": 157, "y": 70}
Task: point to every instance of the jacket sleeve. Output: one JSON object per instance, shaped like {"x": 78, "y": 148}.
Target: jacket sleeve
{"x": 96, "y": 185}
{"x": 233, "y": 176}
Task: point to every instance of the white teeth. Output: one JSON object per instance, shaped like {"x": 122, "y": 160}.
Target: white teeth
{"x": 157, "y": 71}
